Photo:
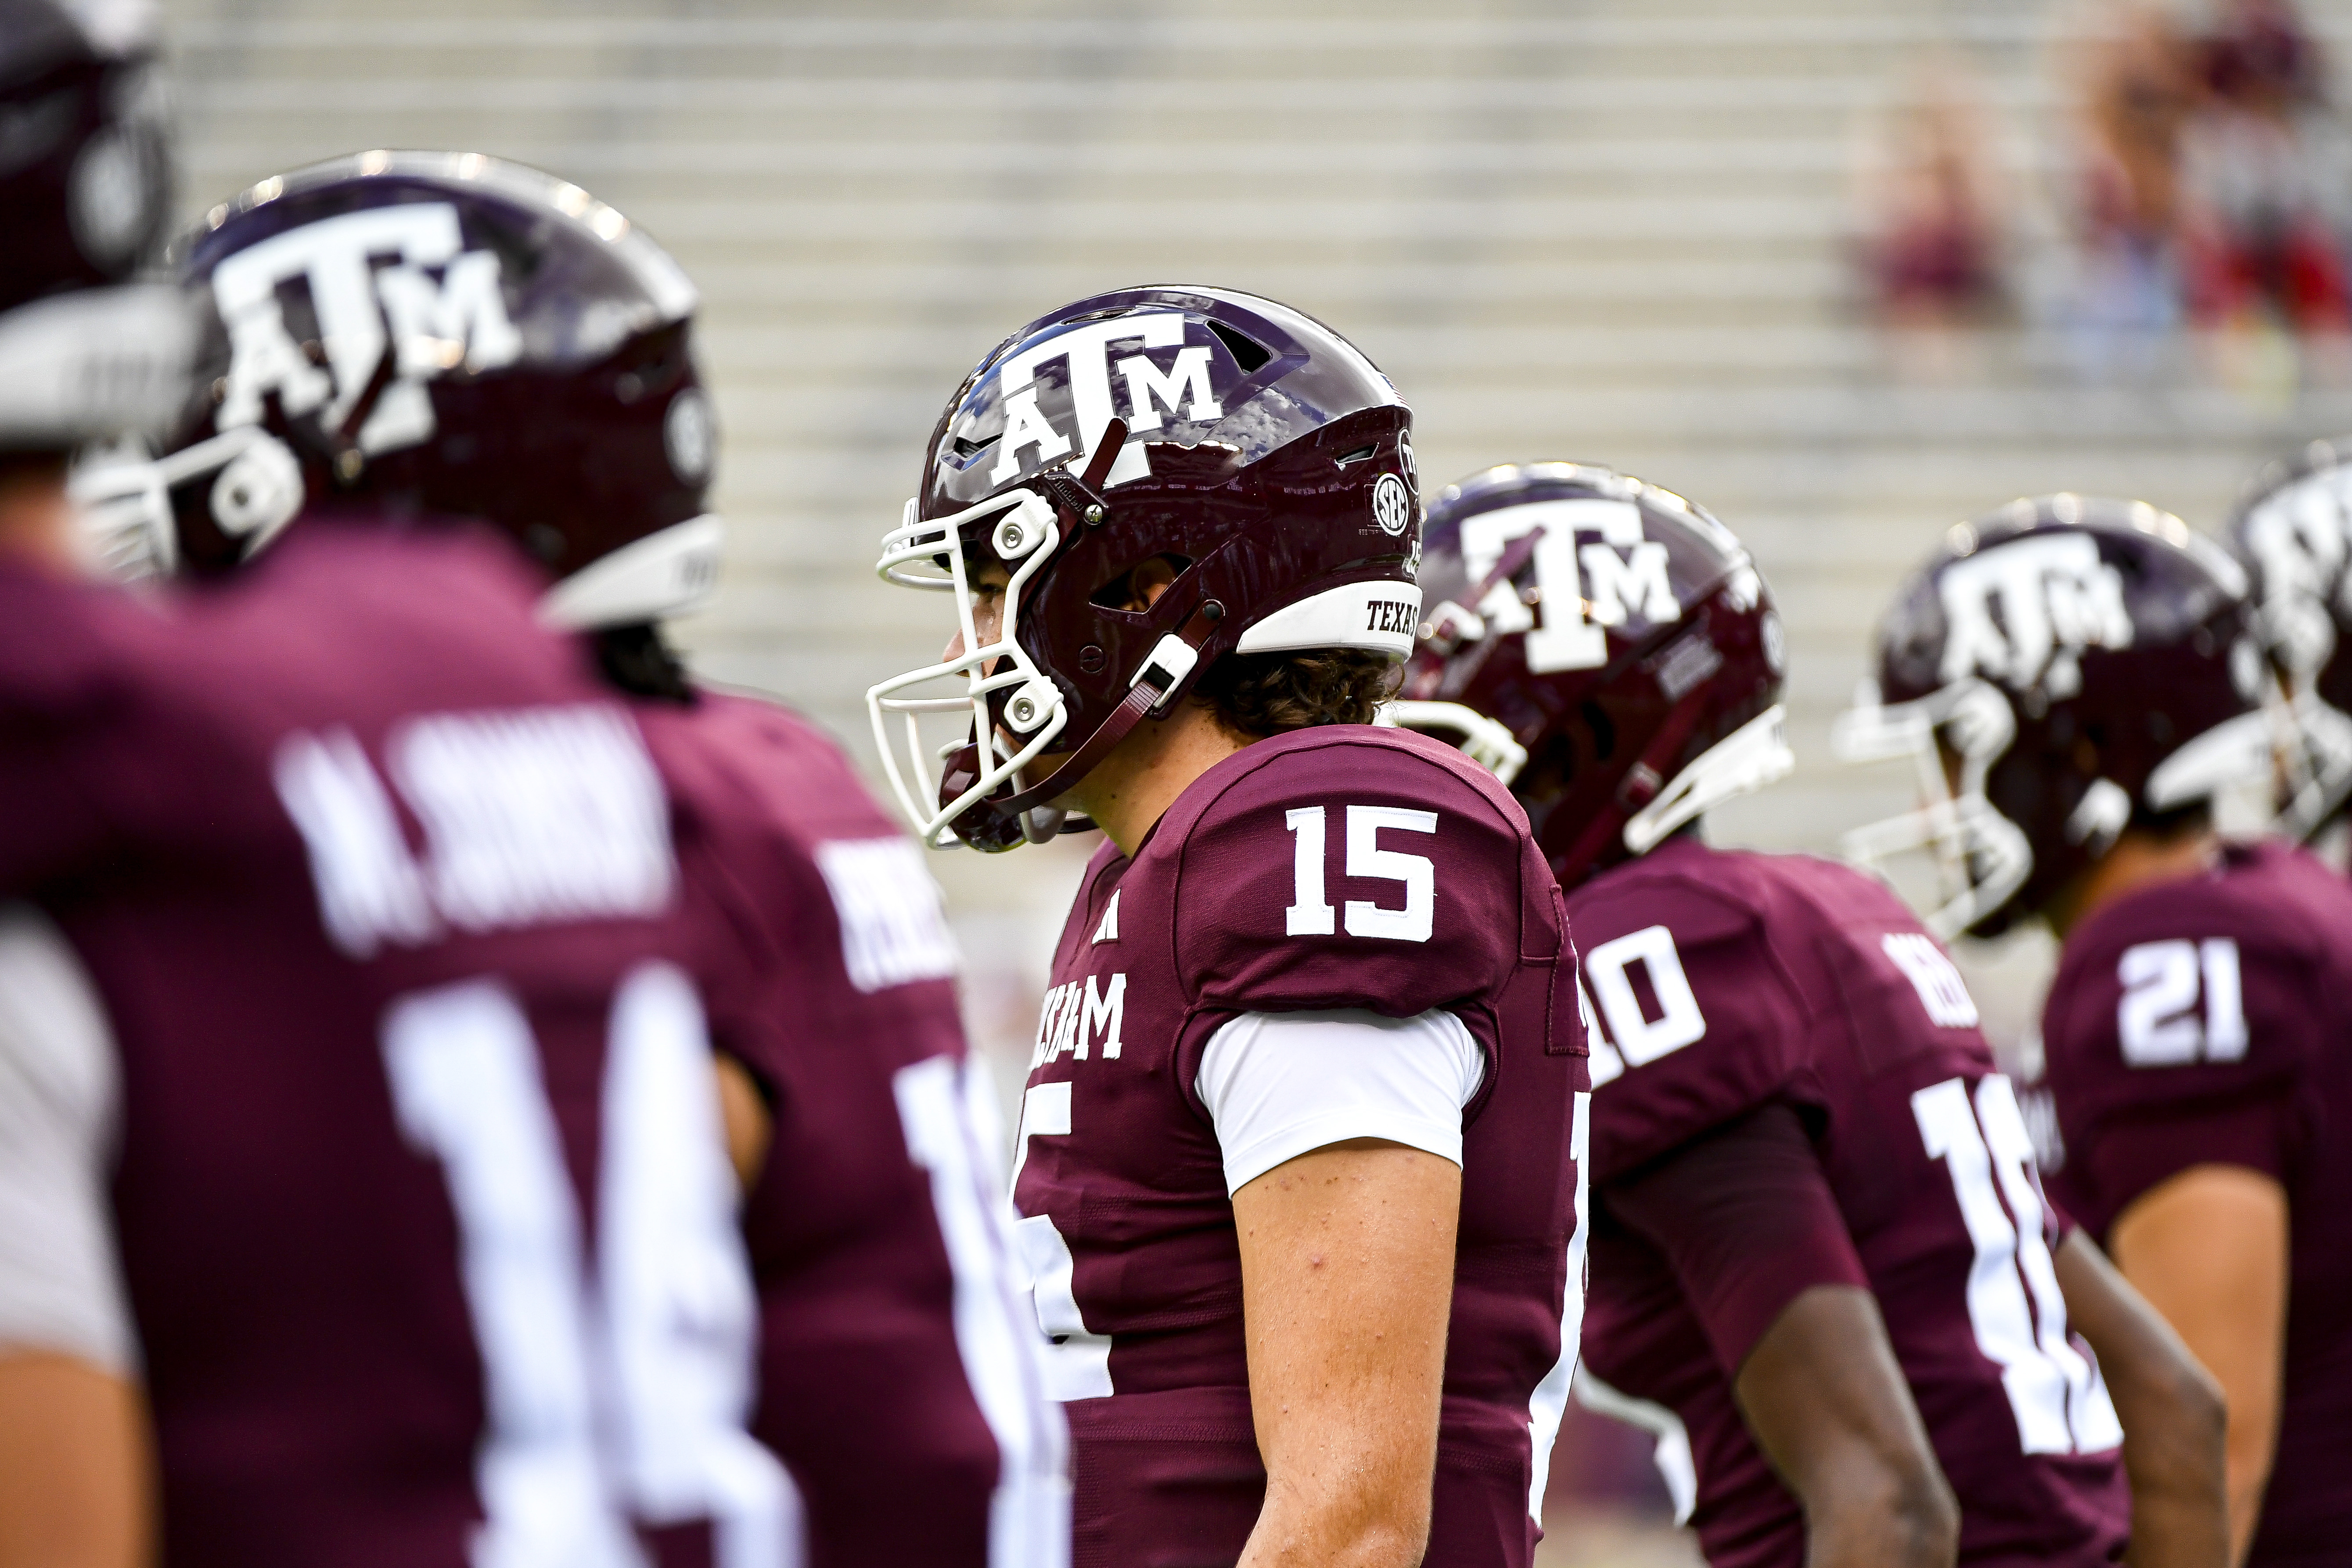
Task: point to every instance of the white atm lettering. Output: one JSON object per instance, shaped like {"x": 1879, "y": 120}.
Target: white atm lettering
{"x": 1567, "y": 629}
{"x": 1085, "y": 352}
{"x": 435, "y": 326}
{"x": 1079, "y": 1015}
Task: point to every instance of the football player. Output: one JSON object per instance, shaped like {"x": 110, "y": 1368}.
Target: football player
{"x": 388, "y": 1088}
{"x": 525, "y": 359}
{"x": 2082, "y": 673}
{"x": 2292, "y": 534}
{"x": 85, "y": 355}
{"x": 1824, "y": 1271}
{"x": 1297, "y": 1163}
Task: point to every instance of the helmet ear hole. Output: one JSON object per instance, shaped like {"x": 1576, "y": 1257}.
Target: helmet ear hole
{"x": 1604, "y": 732}
{"x": 1133, "y": 591}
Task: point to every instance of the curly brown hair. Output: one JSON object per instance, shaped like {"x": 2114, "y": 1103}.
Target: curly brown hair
{"x": 1257, "y": 695}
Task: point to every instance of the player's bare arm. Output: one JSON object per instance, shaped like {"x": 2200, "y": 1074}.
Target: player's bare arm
{"x": 1826, "y": 1399}
{"x": 75, "y": 1482}
{"x": 1346, "y": 1278}
{"x": 743, "y": 1116}
{"x": 1821, "y": 1389}
{"x": 2172, "y": 1409}
{"x": 2208, "y": 1250}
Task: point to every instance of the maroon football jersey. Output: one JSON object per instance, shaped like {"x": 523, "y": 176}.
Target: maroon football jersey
{"x": 1344, "y": 867}
{"x": 1721, "y": 982}
{"x": 2210, "y": 1021}
{"x": 427, "y": 1233}
{"x": 898, "y": 1359}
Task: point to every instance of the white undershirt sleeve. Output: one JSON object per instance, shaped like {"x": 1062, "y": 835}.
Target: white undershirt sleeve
{"x": 1279, "y": 1085}
{"x": 60, "y": 1288}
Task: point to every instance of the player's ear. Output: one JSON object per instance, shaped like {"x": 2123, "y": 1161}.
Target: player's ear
{"x": 1151, "y": 579}
{"x": 1141, "y": 586}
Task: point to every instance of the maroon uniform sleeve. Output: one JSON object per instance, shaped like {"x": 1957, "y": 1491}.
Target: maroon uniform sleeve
{"x": 2167, "y": 1050}
{"x": 1745, "y": 1217}
{"x": 1350, "y": 875}
{"x": 61, "y": 708}
{"x": 1698, "y": 1021}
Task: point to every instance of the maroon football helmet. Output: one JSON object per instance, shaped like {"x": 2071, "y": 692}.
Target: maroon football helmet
{"x": 1609, "y": 644}
{"x": 85, "y": 194}
{"x": 2082, "y": 665}
{"x": 2294, "y": 534}
{"x": 1250, "y": 447}
{"x": 443, "y": 335}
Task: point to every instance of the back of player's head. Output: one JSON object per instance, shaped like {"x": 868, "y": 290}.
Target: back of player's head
{"x": 84, "y": 199}
{"x": 440, "y": 335}
{"x": 2060, "y": 670}
{"x": 2292, "y": 534}
{"x": 1606, "y": 646}
{"x": 1190, "y": 492}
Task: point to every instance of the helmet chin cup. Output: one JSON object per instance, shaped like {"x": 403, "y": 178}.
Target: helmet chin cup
{"x": 1981, "y": 857}
{"x": 974, "y": 681}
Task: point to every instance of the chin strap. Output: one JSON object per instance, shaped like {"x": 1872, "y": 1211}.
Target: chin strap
{"x": 1640, "y": 786}
{"x": 1160, "y": 674}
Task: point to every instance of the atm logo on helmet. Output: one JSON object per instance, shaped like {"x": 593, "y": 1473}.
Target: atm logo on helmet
{"x": 2055, "y": 597}
{"x": 435, "y": 308}
{"x": 1581, "y": 591}
{"x": 1181, "y": 389}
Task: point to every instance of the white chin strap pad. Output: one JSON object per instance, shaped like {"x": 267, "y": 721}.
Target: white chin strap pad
{"x": 1377, "y": 618}
{"x": 664, "y": 575}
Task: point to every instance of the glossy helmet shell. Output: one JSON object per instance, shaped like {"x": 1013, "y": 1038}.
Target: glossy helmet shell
{"x": 1619, "y": 632}
{"x": 2117, "y": 639}
{"x": 85, "y": 166}
{"x": 1262, "y": 450}
{"x": 84, "y": 199}
{"x": 448, "y": 335}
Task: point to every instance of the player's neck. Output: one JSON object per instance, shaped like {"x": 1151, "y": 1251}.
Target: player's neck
{"x": 2138, "y": 860}
{"x": 36, "y": 519}
{"x": 1132, "y": 788}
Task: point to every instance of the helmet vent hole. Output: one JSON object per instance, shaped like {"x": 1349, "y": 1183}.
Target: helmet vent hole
{"x": 1348, "y": 459}
{"x": 1246, "y": 353}
{"x": 968, "y": 451}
